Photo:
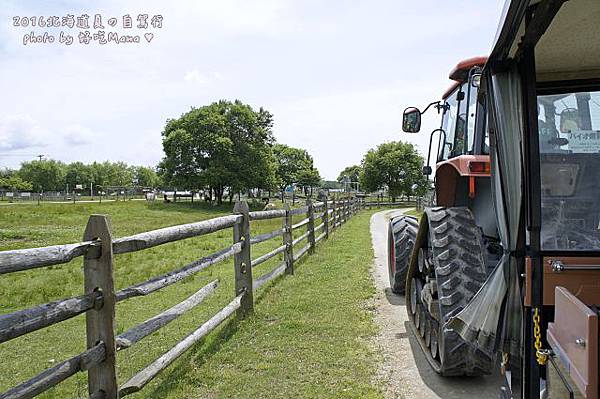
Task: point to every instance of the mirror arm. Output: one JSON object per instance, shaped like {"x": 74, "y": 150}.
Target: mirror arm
{"x": 438, "y": 105}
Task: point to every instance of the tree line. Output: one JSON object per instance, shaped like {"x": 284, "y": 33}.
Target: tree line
{"x": 395, "y": 166}
{"x": 223, "y": 149}
{"x": 220, "y": 149}
{"x": 51, "y": 175}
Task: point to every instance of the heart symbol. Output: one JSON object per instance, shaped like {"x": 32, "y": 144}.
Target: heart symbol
{"x": 149, "y": 36}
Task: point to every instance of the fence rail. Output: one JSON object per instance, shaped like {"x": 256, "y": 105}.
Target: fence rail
{"x": 98, "y": 250}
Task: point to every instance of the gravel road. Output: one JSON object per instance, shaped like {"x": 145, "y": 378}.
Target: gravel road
{"x": 404, "y": 372}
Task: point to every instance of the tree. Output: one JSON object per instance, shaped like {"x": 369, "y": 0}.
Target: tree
{"x": 78, "y": 173}
{"x": 106, "y": 174}
{"x": 294, "y": 165}
{"x": 222, "y": 145}
{"x": 121, "y": 174}
{"x": 146, "y": 177}
{"x": 395, "y": 165}
{"x": 47, "y": 175}
{"x": 353, "y": 172}
{"x": 331, "y": 184}
{"x": 309, "y": 178}
{"x": 14, "y": 182}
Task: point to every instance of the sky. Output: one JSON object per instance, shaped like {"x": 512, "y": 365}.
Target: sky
{"x": 335, "y": 74}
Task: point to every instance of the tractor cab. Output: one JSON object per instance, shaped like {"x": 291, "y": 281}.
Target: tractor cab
{"x": 462, "y": 159}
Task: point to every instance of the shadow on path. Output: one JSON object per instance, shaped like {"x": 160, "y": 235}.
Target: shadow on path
{"x": 405, "y": 371}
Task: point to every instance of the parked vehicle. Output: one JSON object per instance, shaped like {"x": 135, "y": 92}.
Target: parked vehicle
{"x": 505, "y": 267}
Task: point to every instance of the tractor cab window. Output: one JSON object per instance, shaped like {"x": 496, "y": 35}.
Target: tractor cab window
{"x": 569, "y": 140}
{"x": 459, "y": 123}
{"x": 449, "y": 124}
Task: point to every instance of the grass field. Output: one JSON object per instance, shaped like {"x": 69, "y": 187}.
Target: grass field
{"x": 415, "y": 213}
{"x": 306, "y": 339}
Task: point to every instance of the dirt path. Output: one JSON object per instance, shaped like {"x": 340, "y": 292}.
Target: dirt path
{"x": 405, "y": 372}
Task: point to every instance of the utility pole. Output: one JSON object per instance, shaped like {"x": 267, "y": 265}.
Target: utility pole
{"x": 41, "y": 157}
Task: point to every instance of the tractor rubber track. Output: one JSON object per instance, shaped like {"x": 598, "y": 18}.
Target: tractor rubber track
{"x": 401, "y": 241}
{"x": 455, "y": 250}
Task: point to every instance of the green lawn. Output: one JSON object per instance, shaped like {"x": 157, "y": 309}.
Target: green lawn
{"x": 415, "y": 213}
{"x": 308, "y": 337}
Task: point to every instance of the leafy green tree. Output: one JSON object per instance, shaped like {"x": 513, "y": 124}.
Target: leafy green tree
{"x": 331, "y": 184}
{"x": 14, "y": 182}
{"x": 78, "y": 173}
{"x": 146, "y": 177}
{"x": 101, "y": 173}
{"x": 395, "y": 165}
{"x": 294, "y": 165}
{"x": 121, "y": 174}
{"x": 309, "y": 178}
{"x": 107, "y": 174}
{"x": 221, "y": 145}
{"x": 47, "y": 175}
{"x": 353, "y": 172}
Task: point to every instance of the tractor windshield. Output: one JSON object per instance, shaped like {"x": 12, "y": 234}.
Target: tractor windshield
{"x": 449, "y": 125}
{"x": 569, "y": 137}
{"x": 458, "y": 122}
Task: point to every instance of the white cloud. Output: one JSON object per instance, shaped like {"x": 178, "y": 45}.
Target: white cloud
{"x": 78, "y": 135}
{"x": 196, "y": 77}
{"x": 202, "y": 79}
{"x": 19, "y": 132}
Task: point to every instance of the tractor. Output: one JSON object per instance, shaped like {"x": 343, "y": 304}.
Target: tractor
{"x": 504, "y": 267}
{"x": 452, "y": 264}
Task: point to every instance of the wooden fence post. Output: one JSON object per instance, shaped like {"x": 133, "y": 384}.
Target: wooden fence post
{"x": 326, "y": 218}
{"x": 241, "y": 260}
{"x": 288, "y": 255}
{"x": 311, "y": 225}
{"x": 333, "y": 215}
{"x": 99, "y": 322}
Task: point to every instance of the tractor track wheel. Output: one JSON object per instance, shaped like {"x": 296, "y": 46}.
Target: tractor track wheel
{"x": 457, "y": 257}
{"x": 402, "y": 233}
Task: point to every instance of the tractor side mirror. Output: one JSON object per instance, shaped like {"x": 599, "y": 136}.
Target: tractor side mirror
{"x": 427, "y": 170}
{"x": 569, "y": 120}
{"x": 411, "y": 120}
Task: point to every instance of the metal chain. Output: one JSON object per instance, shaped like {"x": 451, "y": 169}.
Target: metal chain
{"x": 542, "y": 358}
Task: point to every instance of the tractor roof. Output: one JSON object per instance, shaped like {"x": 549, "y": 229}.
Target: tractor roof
{"x": 460, "y": 72}
{"x": 565, "y": 35}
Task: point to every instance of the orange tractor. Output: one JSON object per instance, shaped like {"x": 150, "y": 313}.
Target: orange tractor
{"x": 504, "y": 268}
{"x": 447, "y": 274}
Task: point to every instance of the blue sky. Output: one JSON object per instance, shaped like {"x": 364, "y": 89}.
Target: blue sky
{"x": 335, "y": 74}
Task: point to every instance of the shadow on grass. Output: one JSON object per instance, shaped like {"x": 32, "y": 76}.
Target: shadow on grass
{"x": 197, "y": 354}
{"x": 206, "y": 347}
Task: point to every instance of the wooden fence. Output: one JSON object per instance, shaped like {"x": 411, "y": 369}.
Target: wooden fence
{"x": 98, "y": 250}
